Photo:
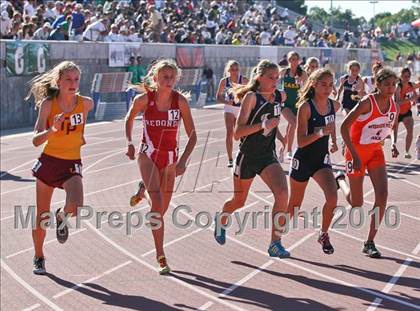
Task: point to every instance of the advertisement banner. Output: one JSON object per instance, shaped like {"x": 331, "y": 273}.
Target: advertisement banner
{"x": 26, "y": 58}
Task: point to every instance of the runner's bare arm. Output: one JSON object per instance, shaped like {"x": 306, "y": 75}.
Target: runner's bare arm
{"x": 41, "y": 134}
{"x": 189, "y": 129}
{"x": 139, "y": 106}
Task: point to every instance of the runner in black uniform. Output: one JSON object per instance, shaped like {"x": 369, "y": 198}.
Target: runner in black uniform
{"x": 257, "y": 124}
{"x": 232, "y": 77}
{"x": 315, "y": 125}
{"x": 352, "y": 87}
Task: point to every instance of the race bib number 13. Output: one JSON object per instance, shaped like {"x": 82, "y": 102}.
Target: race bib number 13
{"x": 76, "y": 119}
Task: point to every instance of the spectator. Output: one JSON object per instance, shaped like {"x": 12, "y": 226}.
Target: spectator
{"x": 58, "y": 9}
{"x": 289, "y": 36}
{"x": 220, "y": 36}
{"x": 60, "y": 33}
{"x": 114, "y": 36}
{"x": 5, "y": 25}
{"x": 364, "y": 41}
{"x": 43, "y": 33}
{"x": 236, "y": 39}
{"x": 208, "y": 76}
{"x": 284, "y": 15}
{"x": 265, "y": 37}
{"x": 26, "y": 33}
{"x": 132, "y": 67}
{"x": 49, "y": 14}
{"x": 284, "y": 62}
{"x": 78, "y": 25}
{"x": 28, "y": 8}
{"x": 156, "y": 22}
{"x": 141, "y": 69}
{"x": 96, "y": 31}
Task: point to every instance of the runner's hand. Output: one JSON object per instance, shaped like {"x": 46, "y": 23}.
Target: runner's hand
{"x": 333, "y": 147}
{"x": 130, "y": 152}
{"x": 58, "y": 121}
{"x": 180, "y": 169}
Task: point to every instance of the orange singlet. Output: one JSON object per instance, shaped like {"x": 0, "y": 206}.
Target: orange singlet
{"x": 367, "y": 133}
{"x": 67, "y": 141}
{"x": 406, "y": 93}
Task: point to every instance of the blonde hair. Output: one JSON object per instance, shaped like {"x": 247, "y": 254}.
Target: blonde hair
{"x": 149, "y": 84}
{"x": 45, "y": 85}
{"x": 353, "y": 63}
{"x": 253, "y": 84}
{"x": 228, "y": 65}
{"x": 308, "y": 91}
{"x": 309, "y": 61}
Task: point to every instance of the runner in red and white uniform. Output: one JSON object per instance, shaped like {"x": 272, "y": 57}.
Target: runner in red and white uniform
{"x": 160, "y": 131}
{"x": 363, "y": 130}
{"x": 162, "y": 108}
{"x": 406, "y": 96}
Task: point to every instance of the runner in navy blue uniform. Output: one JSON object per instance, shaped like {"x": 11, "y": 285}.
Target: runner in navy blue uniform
{"x": 315, "y": 125}
{"x": 352, "y": 87}
{"x": 257, "y": 124}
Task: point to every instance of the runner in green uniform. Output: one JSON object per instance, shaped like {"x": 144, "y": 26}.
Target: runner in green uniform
{"x": 293, "y": 77}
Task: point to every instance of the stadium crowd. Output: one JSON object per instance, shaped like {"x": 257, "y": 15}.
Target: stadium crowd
{"x": 184, "y": 21}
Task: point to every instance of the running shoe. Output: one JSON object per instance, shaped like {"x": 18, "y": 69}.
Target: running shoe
{"x": 163, "y": 265}
{"x": 230, "y": 163}
{"x": 39, "y": 266}
{"x": 370, "y": 250}
{"x": 61, "y": 231}
{"x": 135, "y": 199}
{"x": 290, "y": 155}
{"x": 339, "y": 175}
{"x": 219, "y": 232}
{"x": 277, "y": 250}
{"x": 407, "y": 155}
{"x": 324, "y": 240}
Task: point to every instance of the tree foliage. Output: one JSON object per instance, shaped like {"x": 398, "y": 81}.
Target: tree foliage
{"x": 338, "y": 17}
{"x": 386, "y": 20}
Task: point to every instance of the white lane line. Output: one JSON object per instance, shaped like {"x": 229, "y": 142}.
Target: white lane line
{"x": 28, "y": 287}
{"x": 348, "y": 235}
{"x": 153, "y": 268}
{"x": 388, "y": 286}
{"x": 327, "y": 277}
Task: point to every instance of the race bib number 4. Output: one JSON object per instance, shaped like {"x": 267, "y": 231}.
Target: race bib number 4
{"x": 76, "y": 119}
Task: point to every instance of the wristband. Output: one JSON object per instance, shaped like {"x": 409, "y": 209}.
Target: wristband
{"x": 54, "y": 129}
{"x": 264, "y": 124}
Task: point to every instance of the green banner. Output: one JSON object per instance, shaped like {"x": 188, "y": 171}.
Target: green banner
{"x": 26, "y": 58}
